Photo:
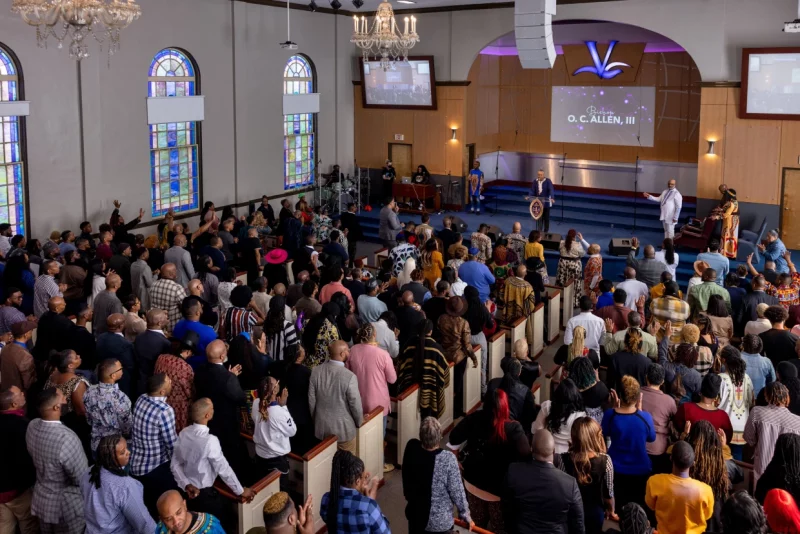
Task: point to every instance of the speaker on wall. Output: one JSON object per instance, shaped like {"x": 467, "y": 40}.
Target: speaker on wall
{"x": 459, "y": 225}
{"x": 619, "y": 246}
{"x": 551, "y": 241}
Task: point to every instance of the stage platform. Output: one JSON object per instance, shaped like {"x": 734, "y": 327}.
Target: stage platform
{"x": 590, "y": 214}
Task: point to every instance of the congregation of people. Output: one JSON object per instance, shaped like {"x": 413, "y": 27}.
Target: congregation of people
{"x": 136, "y": 368}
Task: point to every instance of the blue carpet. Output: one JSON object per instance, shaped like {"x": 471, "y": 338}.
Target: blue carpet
{"x": 587, "y": 213}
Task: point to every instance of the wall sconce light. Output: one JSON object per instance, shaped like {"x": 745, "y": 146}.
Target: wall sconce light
{"x": 711, "y": 145}
{"x": 453, "y": 132}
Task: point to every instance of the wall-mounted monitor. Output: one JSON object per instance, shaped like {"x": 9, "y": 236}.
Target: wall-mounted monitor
{"x": 408, "y": 85}
{"x": 770, "y": 84}
{"x": 603, "y": 115}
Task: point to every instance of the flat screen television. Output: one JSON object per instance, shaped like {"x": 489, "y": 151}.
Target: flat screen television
{"x": 409, "y": 85}
{"x": 770, "y": 83}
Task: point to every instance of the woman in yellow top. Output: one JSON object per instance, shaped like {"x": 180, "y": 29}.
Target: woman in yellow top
{"x": 533, "y": 247}
{"x": 432, "y": 262}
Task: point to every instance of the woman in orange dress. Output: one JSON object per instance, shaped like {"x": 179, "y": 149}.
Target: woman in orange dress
{"x": 432, "y": 262}
{"x": 593, "y": 272}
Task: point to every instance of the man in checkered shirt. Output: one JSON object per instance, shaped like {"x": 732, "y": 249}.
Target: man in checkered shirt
{"x": 153, "y": 440}
{"x": 46, "y": 287}
{"x": 167, "y": 294}
{"x": 60, "y": 463}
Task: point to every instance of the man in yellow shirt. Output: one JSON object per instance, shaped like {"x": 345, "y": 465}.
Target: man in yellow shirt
{"x": 681, "y": 503}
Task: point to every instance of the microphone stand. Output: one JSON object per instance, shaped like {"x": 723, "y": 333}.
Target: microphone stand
{"x": 563, "y": 164}
{"x": 635, "y": 191}
{"x": 496, "y": 171}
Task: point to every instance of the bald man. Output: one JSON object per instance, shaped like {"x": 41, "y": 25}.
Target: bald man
{"x": 167, "y": 294}
{"x": 516, "y": 241}
{"x": 112, "y": 344}
{"x": 648, "y": 269}
{"x": 176, "y": 518}
{"x": 180, "y": 257}
{"x": 106, "y": 303}
{"x": 197, "y": 462}
{"x": 221, "y": 385}
{"x": 538, "y": 498}
{"x": 334, "y": 399}
{"x": 634, "y": 288}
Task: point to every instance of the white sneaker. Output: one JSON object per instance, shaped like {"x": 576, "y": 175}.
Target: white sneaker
{"x": 388, "y": 468}
{"x": 472, "y": 210}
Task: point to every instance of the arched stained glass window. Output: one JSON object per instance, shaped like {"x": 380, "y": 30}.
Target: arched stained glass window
{"x": 299, "y": 139}
{"x": 12, "y": 172}
{"x": 174, "y": 147}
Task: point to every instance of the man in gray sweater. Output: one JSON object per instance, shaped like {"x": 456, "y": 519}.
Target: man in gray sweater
{"x": 648, "y": 269}
{"x": 390, "y": 224}
{"x": 334, "y": 399}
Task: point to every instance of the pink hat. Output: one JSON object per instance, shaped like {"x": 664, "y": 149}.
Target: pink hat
{"x": 276, "y": 256}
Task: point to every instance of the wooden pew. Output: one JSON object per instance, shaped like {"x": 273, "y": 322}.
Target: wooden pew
{"x": 371, "y": 269}
{"x": 369, "y": 442}
{"x": 472, "y": 383}
{"x": 241, "y": 277}
{"x": 289, "y": 271}
{"x": 462, "y": 526}
{"x": 748, "y": 484}
{"x": 551, "y": 380}
{"x": 406, "y": 423}
{"x": 553, "y": 312}
{"x": 516, "y": 330}
{"x": 380, "y": 255}
{"x": 537, "y": 392}
{"x": 310, "y": 474}
{"x": 251, "y": 514}
{"x": 497, "y": 350}
{"x": 447, "y": 420}
{"x": 568, "y": 302}
{"x": 361, "y": 261}
{"x": 537, "y": 348}
{"x": 270, "y": 241}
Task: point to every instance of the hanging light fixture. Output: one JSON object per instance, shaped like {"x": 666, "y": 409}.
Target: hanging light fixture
{"x": 75, "y": 20}
{"x": 383, "y": 39}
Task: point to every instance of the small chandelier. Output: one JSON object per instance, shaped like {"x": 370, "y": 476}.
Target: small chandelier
{"x": 76, "y": 20}
{"x": 384, "y": 38}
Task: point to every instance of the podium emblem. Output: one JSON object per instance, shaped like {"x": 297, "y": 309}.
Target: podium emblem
{"x": 537, "y": 209}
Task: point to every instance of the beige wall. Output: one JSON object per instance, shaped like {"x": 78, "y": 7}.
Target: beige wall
{"x": 750, "y": 154}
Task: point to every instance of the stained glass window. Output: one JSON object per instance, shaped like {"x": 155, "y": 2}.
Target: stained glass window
{"x": 174, "y": 147}
{"x": 299, "y": 131}
{"x": 12, "y": 182}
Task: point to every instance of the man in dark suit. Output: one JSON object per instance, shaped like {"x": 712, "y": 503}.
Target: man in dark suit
{"x": 221, "y": 385}
{"x": 354, "y": 234}
{"x": 447, "y": 235}
{"x": 112, "y": 344}
{"x": 408, "y": 317}
{"x": 543, "y": 189}
{"x": 56, "y": 332}
{"x": 148, "y": 346}
{"x": 540, "y": 499}
{"x": 747, "y": 311}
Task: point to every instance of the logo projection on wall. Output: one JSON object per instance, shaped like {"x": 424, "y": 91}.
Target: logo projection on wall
{"x": 603, "y": 69}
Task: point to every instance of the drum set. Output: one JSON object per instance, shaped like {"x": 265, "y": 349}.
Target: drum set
{"x": 337, "y": 190}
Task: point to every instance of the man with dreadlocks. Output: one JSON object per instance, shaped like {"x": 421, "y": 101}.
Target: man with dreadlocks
{"x": 113, "y": 501}
{"x": 768, "y": 422}
{"x": 350, "y": 507}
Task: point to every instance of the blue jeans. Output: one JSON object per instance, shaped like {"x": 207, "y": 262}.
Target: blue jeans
{"x": 475, "y": 202}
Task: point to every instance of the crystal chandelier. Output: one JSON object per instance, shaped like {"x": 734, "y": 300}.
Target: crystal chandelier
{"x": 76, "y": 20}
{"x": 384, "y": 38}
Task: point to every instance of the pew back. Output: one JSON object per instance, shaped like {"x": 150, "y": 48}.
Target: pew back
{"x": 472, "y": 382}
{"x": 369, "y": 442}
{"x": 408, "y": 419}
{"x": 568, "y": 302}
{"x": 537, "y": 348}
{"x": 250, "y": 515}
{"x": 553, "y": 312}
{"x": 380, "y": 255}
{"x": 311, "y": 474}
{"x": 447, "y": 418}
{"x": 497, "y": 349}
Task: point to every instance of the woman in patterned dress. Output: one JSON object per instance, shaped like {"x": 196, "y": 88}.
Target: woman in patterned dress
{"x": 72, "y": 386}
{"x": 174, "y": 365}
{"x": 593, "y": 273}
{"x": 320, "y": 332}
{"x": 569, "y": 264}
{"x": 730, "y": 224}
{"x": 736, "y": 396}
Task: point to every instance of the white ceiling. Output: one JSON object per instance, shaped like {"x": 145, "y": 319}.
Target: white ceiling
{"x": 371, "y": 5}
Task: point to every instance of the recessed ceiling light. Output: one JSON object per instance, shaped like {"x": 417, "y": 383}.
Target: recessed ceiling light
{"x": 405, "y": 2}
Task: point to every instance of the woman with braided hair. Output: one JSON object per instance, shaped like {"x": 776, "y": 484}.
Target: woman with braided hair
{"x": 768, "y": 422}
{"x": 709, "y": 466}
{"x": 783, "y": 471}
{"x": 742, "y": 514}
{"x": 273, "y": 429}
{"x": 374, "y": 370}
{"x": 737, "y": 396}
{"x": 351, "y": 505}
{"x": 632, "y": 520}
{"x": 113, "y": 500}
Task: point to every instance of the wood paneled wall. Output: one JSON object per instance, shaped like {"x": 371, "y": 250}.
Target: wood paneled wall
{"x": 510, "y": 107}
{"x": 749, "y": 154}
{"x": 428, "y": 132}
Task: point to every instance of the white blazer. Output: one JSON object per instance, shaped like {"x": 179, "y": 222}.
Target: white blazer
{"x": 671, "y": 202}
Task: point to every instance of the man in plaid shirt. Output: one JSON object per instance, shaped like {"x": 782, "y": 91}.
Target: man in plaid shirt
{"x": 58, "y": 456}
{"x": 153, "y": 440}
{"x": 670, "y": 308}
{"x": 166, "y": 294}
{"x": 352, "y": 496}
{"x": 46, "y": 287}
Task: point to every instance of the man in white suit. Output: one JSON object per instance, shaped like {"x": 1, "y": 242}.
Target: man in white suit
{"x": 671, "y": 201}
